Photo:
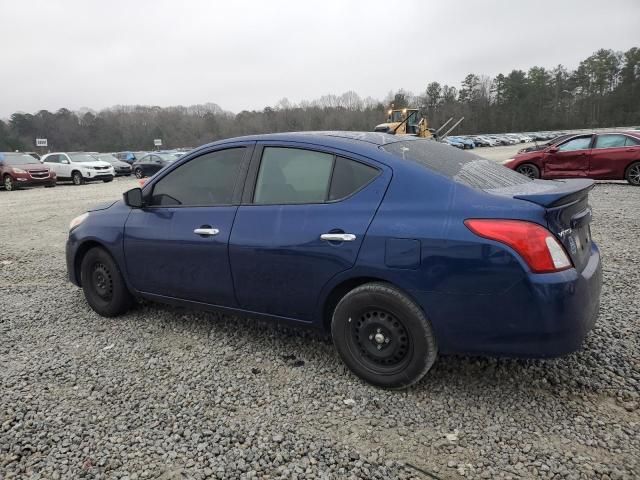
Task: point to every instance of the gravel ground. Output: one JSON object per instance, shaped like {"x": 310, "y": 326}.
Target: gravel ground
{"x": 173, "y": 394}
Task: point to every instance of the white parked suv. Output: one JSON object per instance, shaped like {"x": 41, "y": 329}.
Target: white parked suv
{"x": 79, "y": 167}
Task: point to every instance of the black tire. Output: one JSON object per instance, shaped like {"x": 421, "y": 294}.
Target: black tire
{"x": 8, "y": 183}
{"x": 103, "y": 285}
{"x": 529, "y": 170}
{"x": 51, "y": 185}
{"x": 138, "y": 173}
{"x": 632, "y": 175}
{"x": 77, "y": 178}
{"x": 107, "y": 180}
{"x": 383, "y": 336}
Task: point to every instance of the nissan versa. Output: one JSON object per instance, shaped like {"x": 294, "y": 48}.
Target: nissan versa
{"x": 400, "y": 247}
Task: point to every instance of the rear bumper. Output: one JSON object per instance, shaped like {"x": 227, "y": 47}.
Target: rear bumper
{"x": 544, "y": 315}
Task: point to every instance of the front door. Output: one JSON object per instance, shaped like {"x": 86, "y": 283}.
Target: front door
{"x": 303, "y": 224}
{"x": 568, "y": 159}
{"x": 177, "y": 246}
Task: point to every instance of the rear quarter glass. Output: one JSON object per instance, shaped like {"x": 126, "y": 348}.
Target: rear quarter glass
{"x": 465, "y": 168}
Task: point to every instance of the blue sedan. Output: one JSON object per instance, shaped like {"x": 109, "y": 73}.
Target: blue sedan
{"x": 400, "y": 247}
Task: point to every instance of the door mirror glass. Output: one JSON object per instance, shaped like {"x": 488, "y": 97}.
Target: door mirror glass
{"x": 65, "y": 161}
{"x": 133, "y": 198}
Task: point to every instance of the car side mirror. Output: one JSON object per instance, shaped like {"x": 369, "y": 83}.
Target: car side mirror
{"x": 552, "y": 149}
{"x": 133, "y": 198}
{"x": 65, "y": 161}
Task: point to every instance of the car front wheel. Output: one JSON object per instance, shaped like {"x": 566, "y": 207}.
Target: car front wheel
{"x": 103, "y": 285}
{"x": 383, "y": 336}
{"x": 138, "y": 173}
{"x": 633, "y": 174}
{"x": 77, "y": 178}
{"x": 8, "y": 183}
{"x": 529, "y": 170}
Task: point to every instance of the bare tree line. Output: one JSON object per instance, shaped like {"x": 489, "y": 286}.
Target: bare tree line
{"x": 603, "y": 91}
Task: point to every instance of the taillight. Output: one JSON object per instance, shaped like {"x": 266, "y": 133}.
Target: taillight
{"x": 534, "y": 243}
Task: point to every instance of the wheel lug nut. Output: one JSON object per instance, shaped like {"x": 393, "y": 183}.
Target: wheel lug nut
{"x": 379, "y": 347}
{"x": 371, "y": 337}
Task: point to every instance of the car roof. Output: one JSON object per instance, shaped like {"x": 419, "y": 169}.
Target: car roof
{"x": 329, "y": 138}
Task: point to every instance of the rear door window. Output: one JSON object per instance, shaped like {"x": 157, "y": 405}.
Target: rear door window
{"x": 610, "y": 141}
{"x": 348, "y": 177}
{"x": 293, "y": 175}
{"x": 631, "y": 142}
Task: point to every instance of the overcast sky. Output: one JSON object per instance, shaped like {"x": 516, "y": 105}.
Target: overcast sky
{"x": 249, "y": 54}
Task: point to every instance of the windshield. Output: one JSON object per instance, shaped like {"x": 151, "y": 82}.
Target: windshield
{"x": 82, "y": 157}
{"x": 465, "y": 168}
{"x": 17, "y": 158}
{"x": 107, "y": 157}
{"x": 396, "y": 116}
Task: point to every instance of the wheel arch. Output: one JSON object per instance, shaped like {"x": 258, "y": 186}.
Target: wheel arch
{"x": 629, "y": 165}
{"x": 81, "y": 252}
{"x": 341, "y": 289}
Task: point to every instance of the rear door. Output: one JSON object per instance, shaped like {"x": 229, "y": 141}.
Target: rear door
{"x": 611, "y": 154}
{"x": 304, "y": 215}
{"x": 177, "y": 245}
{"x": 569, "y": 159}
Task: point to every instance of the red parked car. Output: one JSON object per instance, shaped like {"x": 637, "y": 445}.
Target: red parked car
{"x": 22, "y": 170}
{"x": 601, "y": 156}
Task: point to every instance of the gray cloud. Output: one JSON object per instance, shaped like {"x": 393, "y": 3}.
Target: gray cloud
{"x": 249, "y": 54}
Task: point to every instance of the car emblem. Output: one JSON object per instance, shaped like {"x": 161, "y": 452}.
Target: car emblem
{"x": 565, "y": 233}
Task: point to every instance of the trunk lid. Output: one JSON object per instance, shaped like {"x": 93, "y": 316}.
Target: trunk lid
{"x": 567, "y": 211}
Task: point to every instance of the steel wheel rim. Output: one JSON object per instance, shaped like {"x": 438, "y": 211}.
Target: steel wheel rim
{"x": 101, "y": 281}
{"x": 380, "y": 341}
{"x": 634, "y": 174}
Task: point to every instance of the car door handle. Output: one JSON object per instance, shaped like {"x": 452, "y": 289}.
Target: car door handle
{"x": 338, "y": 237}
{"x": 206, "y": 232}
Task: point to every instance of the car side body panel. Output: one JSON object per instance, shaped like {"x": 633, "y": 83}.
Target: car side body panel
{"x": 479, "y": 295}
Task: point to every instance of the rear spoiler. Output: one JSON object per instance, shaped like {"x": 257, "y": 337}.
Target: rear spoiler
{"x": 562, "y": 192}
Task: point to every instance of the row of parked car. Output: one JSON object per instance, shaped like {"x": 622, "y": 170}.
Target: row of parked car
{"x": 494, "y": 140}
{"x": 22, "y": 169}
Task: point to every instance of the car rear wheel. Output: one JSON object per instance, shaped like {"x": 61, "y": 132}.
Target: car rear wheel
{"x": 383, "y": 336}
{"x": 138, "y": 173}
{"x": 103, "y": 285}
{"x": 633, "y": 174}
{"x": 8, "y": 183}
{"x": 529, "y": 170}
{"x": 107, "y": 180}
{"x": 77, "y": 178}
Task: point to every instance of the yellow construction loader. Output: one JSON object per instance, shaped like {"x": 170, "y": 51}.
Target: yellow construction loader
{"x": 405, "y": 121}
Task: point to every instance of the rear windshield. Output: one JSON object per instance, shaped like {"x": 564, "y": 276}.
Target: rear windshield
{"x": 465, "y": 168}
